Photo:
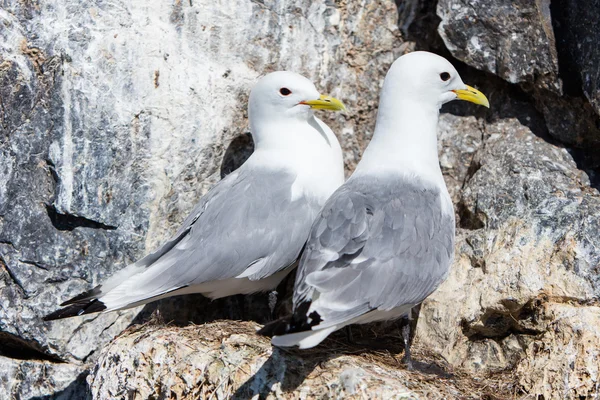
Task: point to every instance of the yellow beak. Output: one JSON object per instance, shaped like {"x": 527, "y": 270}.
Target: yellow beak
{"x": 473, "y": 95}
{"x": 325, "y": 103}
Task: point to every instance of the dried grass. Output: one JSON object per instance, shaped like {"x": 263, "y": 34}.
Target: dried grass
{"x": 432, "y": 377}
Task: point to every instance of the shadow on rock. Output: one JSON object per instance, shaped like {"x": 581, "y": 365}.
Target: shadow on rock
{"x": 283, "y": 367}
{"x": 376, "y": 344}
{"x": 238, "y": 151}
{"x": 197, "y": 309}
{"x": 77, "y": 390}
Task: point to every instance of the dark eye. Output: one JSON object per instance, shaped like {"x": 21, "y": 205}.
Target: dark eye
{"x": 445, "y": 76}
{"x": 285, "y": 91}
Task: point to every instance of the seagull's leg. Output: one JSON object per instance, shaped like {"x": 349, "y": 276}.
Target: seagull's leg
{"x": 413, "y": 316}
{"x": 349, "y": 336}
{"x": 406, "y": 339}
{"x": 272, "y": 303}
{"x": 408, "y": 329}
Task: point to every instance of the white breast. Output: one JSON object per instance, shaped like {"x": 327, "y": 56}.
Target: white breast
{"x": 313, "y": 154}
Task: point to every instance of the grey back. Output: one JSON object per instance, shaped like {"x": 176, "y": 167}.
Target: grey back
{"x": 379, "y": 243}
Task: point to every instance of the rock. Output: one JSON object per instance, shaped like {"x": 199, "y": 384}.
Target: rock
{"x": 575, "y": 117}
{"x": 569, "y": 349}
{"x": 578, "y": 34}
{"x": 572, "y": 120}
{"x": 524, "y": 287}
{"x": 114, "y": 119}
{"x": 29, "y": 379}
{"x": 459, "y": 138}
{"x": 511, "y": 39}
{"x": 549, "y": 51}
{"x": 225, "y": 360}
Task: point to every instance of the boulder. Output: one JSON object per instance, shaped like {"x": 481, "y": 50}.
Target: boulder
{"x": 549, "y": 50}
{"x": 511, "y": 39}
{"x": 115, "y": 117}
{"x": 523, "y": 291}
{"x": 114, "y": 120}
{"x": 578, "y": 35}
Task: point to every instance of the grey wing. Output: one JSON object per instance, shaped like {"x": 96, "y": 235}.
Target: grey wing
{"x": 247, "y": 226}
{"x": 144, "y": 263}
{"x": 378, "y": 244}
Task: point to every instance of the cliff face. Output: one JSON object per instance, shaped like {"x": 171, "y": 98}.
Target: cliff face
{"x": 115, "y": 117}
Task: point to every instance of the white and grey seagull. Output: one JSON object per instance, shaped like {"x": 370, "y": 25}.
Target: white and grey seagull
{"x": 246, "y": 233}
{"x": 385, "y": 239}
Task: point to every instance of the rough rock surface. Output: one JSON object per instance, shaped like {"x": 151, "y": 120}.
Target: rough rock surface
{"x": 575, "y": 117}
{"x": 224, "y": 360}
{"x": 578, "y": 45}
{"x": 525, "y": 285}
{"x": 114, "y": 118}
{"x": 550, "y": 50}
{"x": 511, "y": 39}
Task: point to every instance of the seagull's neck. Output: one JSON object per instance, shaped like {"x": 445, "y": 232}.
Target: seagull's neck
{"x": 295, "y": 137}
{"x": 308, "y": 149}
{"x": 404, "y": 141}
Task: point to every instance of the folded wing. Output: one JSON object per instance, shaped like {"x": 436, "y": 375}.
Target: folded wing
{"x": 248, "y": 227}
{"x": 379, "y": 245}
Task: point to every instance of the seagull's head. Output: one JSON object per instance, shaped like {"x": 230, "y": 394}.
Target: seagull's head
{"x": 284, "y": 95}
{"x": 429, "y": 78}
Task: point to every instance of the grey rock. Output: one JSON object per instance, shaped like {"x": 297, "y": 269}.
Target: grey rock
{"x": 35, "y": 379}
{"x": 526, "y": 262}
{"x": 578, "y": 44}
{"x": 572, "y": 120}
{"x": 459, "y": 138}
{"x": 550, "y": 52}
{"x": 114, "y": 119}
{"x": 575, "y": 117}
{"x": 511, "y": 39}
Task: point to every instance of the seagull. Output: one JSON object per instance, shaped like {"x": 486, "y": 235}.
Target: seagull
{"x": 384, "y": 241}
{"x": 246, "y": 234}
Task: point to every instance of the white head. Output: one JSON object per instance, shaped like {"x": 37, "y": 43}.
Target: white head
{"x": 405, "y": 137}
{"x": 430, "y": 80}
{"x": 286, "y": 96}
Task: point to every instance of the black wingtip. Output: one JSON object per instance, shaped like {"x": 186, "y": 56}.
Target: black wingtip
{"x": 84, "y": 297}
{"x": 277, "y": 327}
{"x": 76, "y": 310}
{"x": 297, "y": 322}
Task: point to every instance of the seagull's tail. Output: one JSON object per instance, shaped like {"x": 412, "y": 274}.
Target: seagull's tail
{"x": 75, "y": 310}
{"x": 96, "y": 300}
{"x": 84, "y": 303}
{"x": 297, "y": 322}
{"x": 299, "y": 329}
{"x": 277, "y": 327}
{"x": 285, "y": 336}
{"x": 304, "y": 340}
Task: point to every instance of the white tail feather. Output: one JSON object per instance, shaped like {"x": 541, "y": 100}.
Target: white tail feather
{"x": 304, "y": 340}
